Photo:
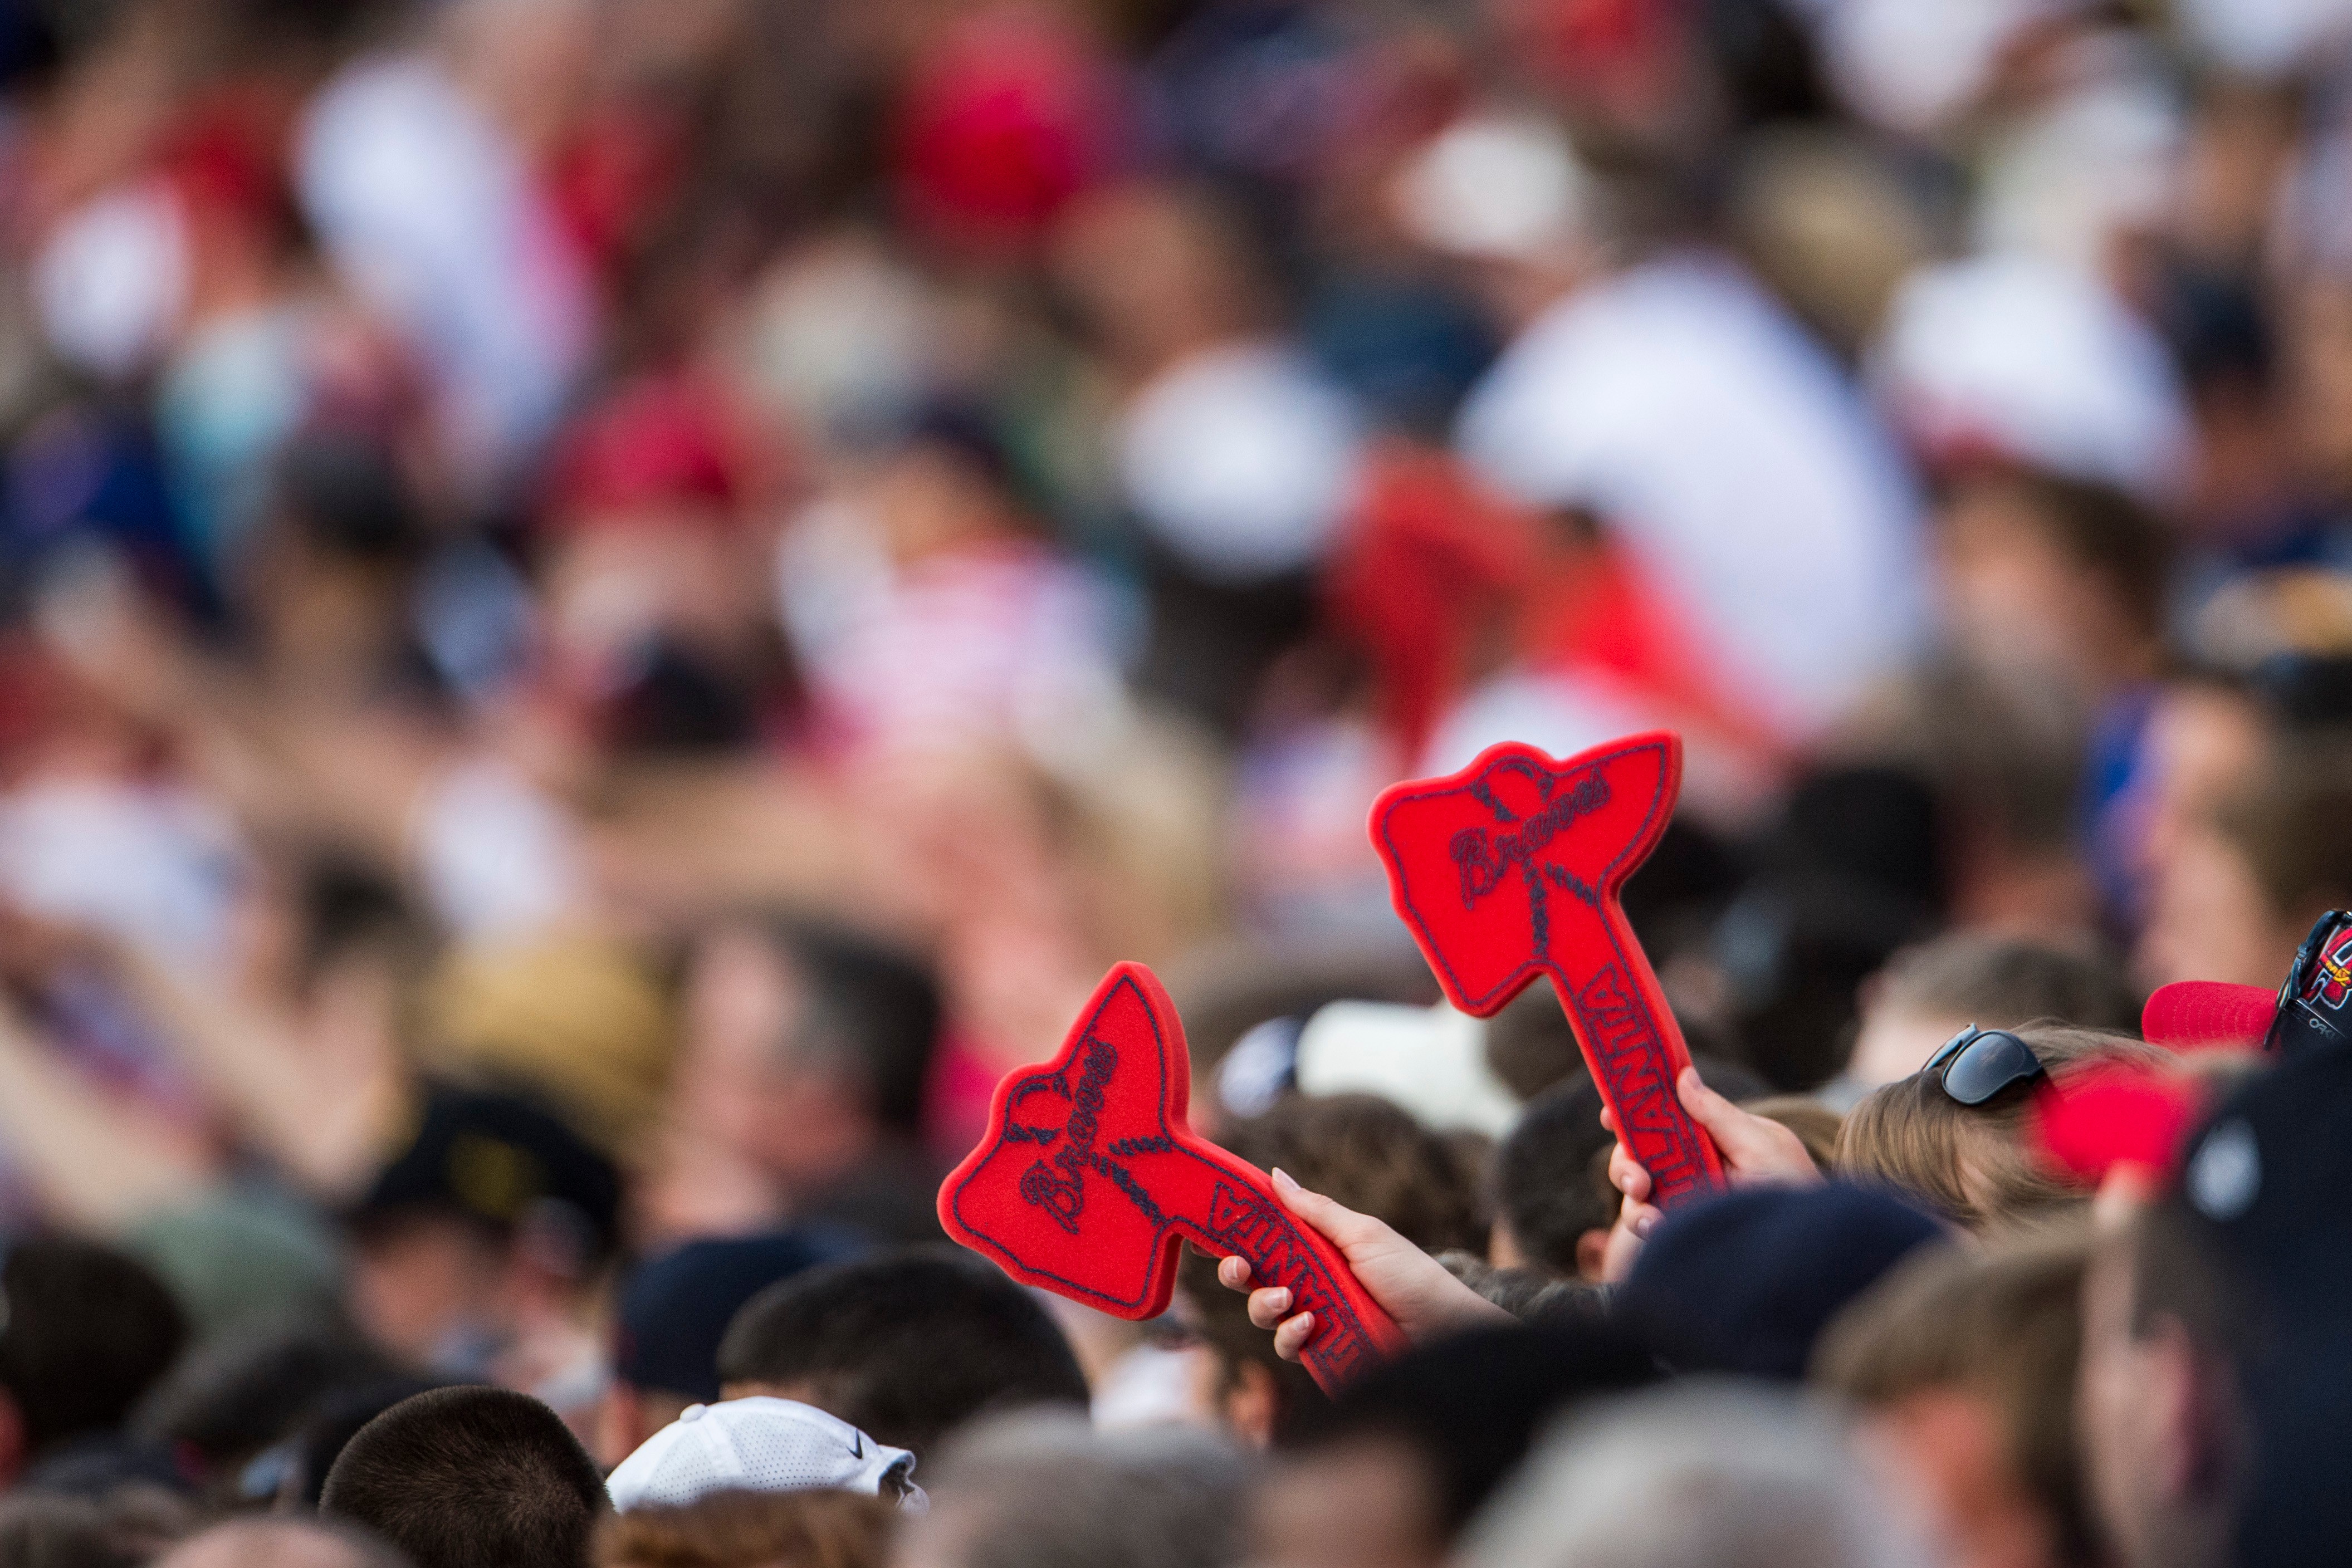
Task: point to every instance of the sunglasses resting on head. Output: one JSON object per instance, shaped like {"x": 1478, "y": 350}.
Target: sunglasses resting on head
{"x": 1977, "y": 1064}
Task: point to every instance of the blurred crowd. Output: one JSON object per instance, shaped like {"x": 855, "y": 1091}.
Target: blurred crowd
{"x": 610, "y": 608}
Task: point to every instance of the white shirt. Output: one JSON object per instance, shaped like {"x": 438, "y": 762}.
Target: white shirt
{"x": 1726, "y": 449}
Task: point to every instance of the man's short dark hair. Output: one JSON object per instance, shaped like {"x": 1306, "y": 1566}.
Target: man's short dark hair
{"x": 88, "y": 1330}
{"x": 1373, "y": 1155}
{"x": 1552, "y": 1178}
{"x": 1471, "y": 1407}
{"x": 906, "y": 1347}
{"x": 461, "y": 1478}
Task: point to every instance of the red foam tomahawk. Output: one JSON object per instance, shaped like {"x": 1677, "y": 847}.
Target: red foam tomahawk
{"x": 1088, "y": 1178}
{"x": 1509, "y": 869}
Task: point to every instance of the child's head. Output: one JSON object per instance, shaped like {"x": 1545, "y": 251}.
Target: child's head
{"x": 1971, "y": 1161}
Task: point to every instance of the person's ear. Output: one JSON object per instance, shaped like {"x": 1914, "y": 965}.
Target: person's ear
{"x": 1252, "y": 1401}
{"x": 1591, "y": 1256}
{"x": 16, "y": 1448}
{"x": 2215, "y": 1424}
{"x": 2187, "y": 1410}
{"x": 619, "y": 1423}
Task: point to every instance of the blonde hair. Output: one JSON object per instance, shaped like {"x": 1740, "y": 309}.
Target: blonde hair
{"x": 813, "y": 1529}
{"x": 1970, "y": 1162}
{"x": 1816, "y": 1126}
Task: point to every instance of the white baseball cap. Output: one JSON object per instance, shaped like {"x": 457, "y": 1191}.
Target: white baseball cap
{"x": 760, "y": 1445}
{"x": 2039, "y": 362}
{"x": 1431, "y": 1060}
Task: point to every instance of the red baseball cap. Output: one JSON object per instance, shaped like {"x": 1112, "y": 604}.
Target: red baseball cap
{"x": 2312, "y": 1008}
{"x": 2114, "y": 1114}
{"x": 2196, "y": 1015}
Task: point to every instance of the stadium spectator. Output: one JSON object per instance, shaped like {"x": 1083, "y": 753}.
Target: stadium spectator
{"x": 1951, "y": 1136}
{"x": 460, "y": 1475}
{"x": 747, "y": 1529}
{"x": 88, "y": 1332}
{"x": 1964, "y": 1369}
{"x": 1042, "y": 1491}
{"x": 672, "y": 1313}
{"x": 908, "y": 1346}
{"x": 282, "y": 1544}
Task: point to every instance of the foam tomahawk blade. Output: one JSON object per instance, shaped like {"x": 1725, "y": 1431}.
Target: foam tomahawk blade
{"x": 1511, "y": 869}
{"x": 1088, "y": 1179}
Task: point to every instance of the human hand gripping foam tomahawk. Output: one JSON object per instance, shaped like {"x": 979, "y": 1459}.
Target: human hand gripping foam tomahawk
{"x": 1510, "y": 869}
{"x": 1088, "y": 1179}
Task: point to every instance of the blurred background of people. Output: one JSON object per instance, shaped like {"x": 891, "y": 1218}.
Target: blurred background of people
{"x": 610, "y": 608}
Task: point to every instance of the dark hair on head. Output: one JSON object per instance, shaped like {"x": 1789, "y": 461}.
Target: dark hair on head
{"x": 1471, "y": 1407}
{"x": 1551, "y": 1182}
{"x": 127, "y": 1527}
{"x": 87, "y": 1331}
{"x": 906, "y": 1347}
{"x": 1551, "y": 1179}
{"x": 2107, "y": 532}
{"x": 812, "y": 1529}
{"x": 239, "y": 1392}
{"x": 462, "y": 1477}
{"x": 1370, "y": 1154}
{"x": 339, "y": 1416}
{"x": 872, "y": 1008}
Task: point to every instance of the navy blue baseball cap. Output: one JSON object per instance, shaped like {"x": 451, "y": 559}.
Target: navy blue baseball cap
{"x": 675, "y": 1308}
{"x": 1745, "y": 1281}
{"x": 2265, "y": 1194}
{"x": 495, "y": 1158}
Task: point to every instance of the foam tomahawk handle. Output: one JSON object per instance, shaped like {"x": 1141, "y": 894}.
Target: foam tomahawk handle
{"x": 1510, "y": 869}
{"x": 1088, "y": 1179}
